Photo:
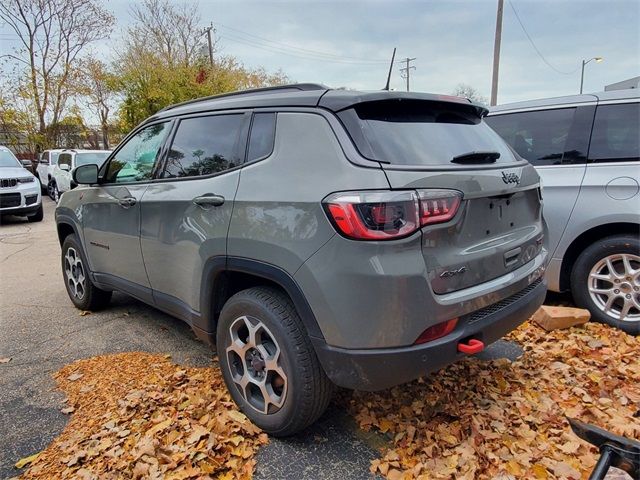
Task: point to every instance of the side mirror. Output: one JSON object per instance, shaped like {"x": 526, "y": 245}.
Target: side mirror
{"x": 26, "y": 163}
{"x": 65, "y": 167}
{"x": 85, "y": 174}
{"x": 44, "y": 161}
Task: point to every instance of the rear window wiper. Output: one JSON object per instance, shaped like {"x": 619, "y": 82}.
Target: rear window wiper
{"x": 476, "y": 158}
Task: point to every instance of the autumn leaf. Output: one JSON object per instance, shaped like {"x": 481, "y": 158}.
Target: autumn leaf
{"x": 5, "y": 359}
{"x": 23, "y": 462}
{"x": 84, "y": 313}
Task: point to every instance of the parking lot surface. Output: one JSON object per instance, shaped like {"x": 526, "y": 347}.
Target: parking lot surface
{"x": 40, "y": 331}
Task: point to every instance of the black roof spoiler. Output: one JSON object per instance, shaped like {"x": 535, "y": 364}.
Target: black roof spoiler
{"x": 337, "y": 100}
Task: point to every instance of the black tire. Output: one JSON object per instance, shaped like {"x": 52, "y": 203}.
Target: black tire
{"x": 92, "y": 298}
{"x": 588, "y": 259}
{"x": 50, "y": 186}
{"x": 38, "y": 216}
{"x": 308, "y": 390}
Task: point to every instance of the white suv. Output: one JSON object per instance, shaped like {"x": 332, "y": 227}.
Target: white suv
{"x": 68, "y": 160}
{"x": 19, "y": 190}
{"x": 48, "y": 159}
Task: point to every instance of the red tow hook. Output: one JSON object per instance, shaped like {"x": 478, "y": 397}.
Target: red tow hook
{"x": 472, "y": 346}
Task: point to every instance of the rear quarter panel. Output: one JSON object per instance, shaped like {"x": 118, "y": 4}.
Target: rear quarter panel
{"x": 610, "y": 193}
{"x": 278, "y": 216}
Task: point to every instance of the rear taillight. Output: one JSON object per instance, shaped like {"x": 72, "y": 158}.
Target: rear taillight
{"x": 374, "y": 215}
{"x": 437, "y": 206}
{"x": 386, "y": 215}
{"x": 437, "y": 331}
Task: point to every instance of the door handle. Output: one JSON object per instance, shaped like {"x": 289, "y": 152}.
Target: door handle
{"x": 209, "y": 200}
{"x": 127, "y": 202}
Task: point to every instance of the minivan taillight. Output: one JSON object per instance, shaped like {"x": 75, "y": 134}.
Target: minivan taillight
{"x": 388, "y": 215}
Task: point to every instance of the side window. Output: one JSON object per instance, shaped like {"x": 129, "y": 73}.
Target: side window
{"x": 616, "y": 133}
{"x": 204, "y": 146}
{"x": 262, "y": 137}
{"x": 135, "y": 160}
{"x": 65, "y": 159}
{"x": 53, "y": 157}
{"x": 539, "y": 137}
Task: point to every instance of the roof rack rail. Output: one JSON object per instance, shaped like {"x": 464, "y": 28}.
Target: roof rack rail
{"x": 253, "y": 91}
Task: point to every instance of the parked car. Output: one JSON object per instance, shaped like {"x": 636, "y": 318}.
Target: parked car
{"x": 19, "y": 191}
{"x": 317, "y": 236}
{"x": 61, "y": 181}
{"x": 48, "y": 159}
{"x": 587, "y": 151}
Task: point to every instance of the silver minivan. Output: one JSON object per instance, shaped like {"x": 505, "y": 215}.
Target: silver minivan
{"x": 586, "y": 150}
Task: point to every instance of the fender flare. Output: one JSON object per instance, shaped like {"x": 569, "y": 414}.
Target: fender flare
{"x": 212, "y": 273}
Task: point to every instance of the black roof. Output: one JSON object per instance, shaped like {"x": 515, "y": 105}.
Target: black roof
{"x": 302, "y": 95}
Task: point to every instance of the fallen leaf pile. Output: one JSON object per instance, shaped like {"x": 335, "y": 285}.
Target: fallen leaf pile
{"x": 501, "y": 419}
{"x": 137, "y": 415}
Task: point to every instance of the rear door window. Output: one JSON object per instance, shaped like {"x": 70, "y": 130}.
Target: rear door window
{"x": 262, "y": 136}
{"x": 538, "y": 136}
{"x": 616, "y": 133}
{"x": 205, "y": 146}
{"x": 65, "y": 159}
{"x": 421, "y": 133}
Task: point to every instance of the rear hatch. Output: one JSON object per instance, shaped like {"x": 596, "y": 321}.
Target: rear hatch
{"x": 431, "y": 145}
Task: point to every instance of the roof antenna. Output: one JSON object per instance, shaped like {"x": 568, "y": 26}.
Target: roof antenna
{"x": 393, "y": 57}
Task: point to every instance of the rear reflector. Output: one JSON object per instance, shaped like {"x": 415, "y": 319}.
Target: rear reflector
{"x": 389, "y": 214}
{"x": 436, "y": 331}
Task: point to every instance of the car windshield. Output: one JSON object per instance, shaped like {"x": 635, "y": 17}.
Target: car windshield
{"x": 8, "y": 159}
{"x": 96, "y": 158}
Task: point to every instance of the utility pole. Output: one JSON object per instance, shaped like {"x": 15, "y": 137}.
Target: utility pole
{"x": 496, "y": 54}
{"x": 406, "y": 70}
{"x": 210, "y": 42}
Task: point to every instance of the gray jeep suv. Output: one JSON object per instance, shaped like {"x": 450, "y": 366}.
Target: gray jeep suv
{"x": 586, "y": 149}
{"x": 316, "y": 236}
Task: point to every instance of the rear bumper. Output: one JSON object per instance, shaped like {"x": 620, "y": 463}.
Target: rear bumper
{"x": 380, "y": 368}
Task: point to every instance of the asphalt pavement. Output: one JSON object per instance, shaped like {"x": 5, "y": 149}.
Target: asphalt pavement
{"x": 40, "y": 330}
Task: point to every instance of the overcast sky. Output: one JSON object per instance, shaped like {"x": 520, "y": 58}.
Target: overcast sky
{"x": 452, "y": 42}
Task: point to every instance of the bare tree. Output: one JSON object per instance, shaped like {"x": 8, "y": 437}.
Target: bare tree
{"x": 170, "y": 29}
{"x": 52, "y": 34}
{"x": 467, "y": 91}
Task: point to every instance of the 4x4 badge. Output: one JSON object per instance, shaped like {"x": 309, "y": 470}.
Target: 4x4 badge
{"x": 451, "y": 273}
{"x": 510, "y": 178}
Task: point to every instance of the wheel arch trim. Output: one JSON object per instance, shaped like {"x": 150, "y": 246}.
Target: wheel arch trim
{"x": 587, "y": 237}
{"x": 213, "y": 271}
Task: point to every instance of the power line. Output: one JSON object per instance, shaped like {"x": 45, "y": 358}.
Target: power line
{"x": 534, "y": 45}
{"x": 292, "y": 49}
{"x": 279, "y": 50}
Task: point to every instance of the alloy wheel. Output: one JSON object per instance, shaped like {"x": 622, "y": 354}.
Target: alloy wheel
{"x": 74, "y": 271}
{"x": 254, "y": 359}
{"x": 614, "y": 286}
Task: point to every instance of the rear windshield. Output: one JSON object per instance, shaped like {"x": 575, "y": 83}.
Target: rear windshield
{"x": 96, "y": 158}
{"x": 404, "y": 132}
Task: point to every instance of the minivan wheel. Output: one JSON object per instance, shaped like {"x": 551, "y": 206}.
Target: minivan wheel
{"x": 82, "y": 292}
{"x": 606, "y": 280}
{"x": 268, "y": 362}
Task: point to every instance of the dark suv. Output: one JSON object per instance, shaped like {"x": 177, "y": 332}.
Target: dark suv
{"x": 317, "y": 236}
